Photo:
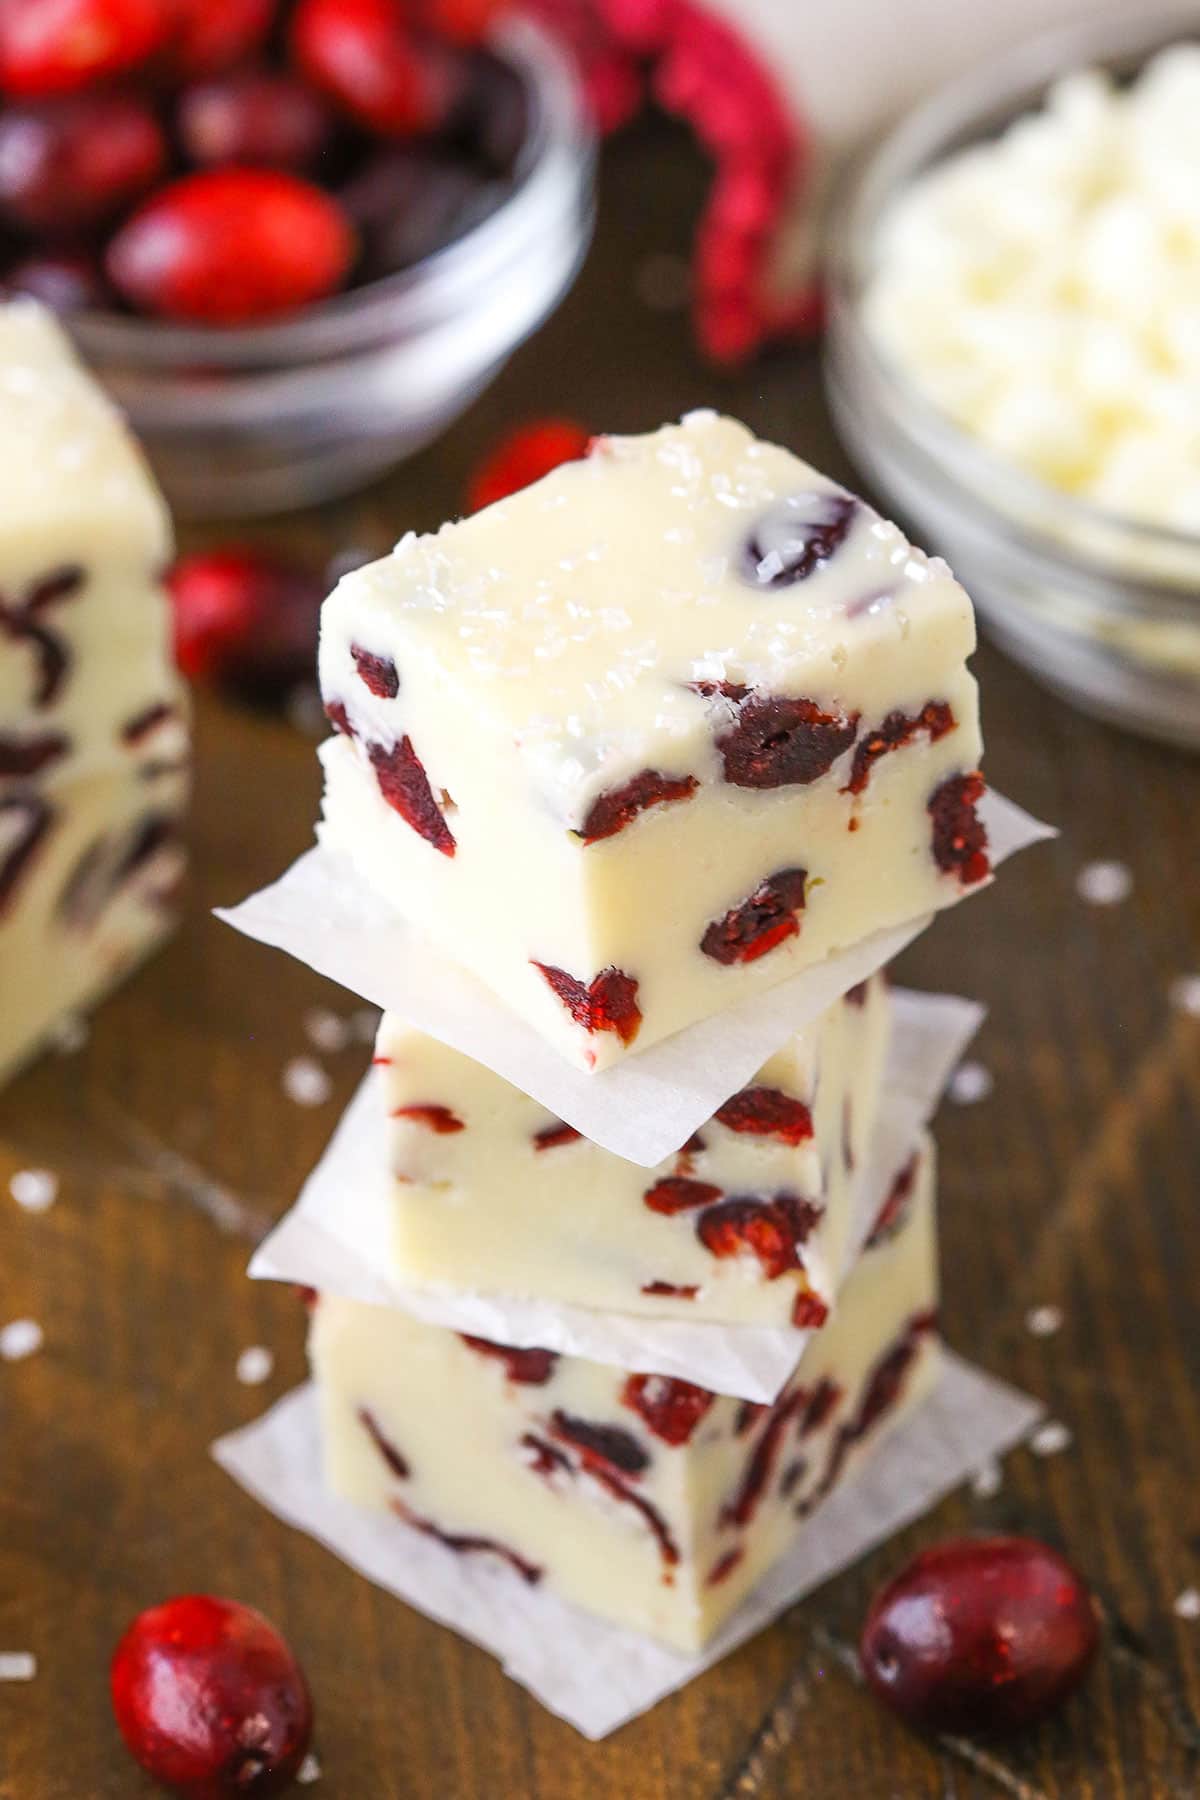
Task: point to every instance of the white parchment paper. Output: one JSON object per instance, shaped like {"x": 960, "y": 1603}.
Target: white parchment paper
{"x": 338, "y": 1235}
{"x": 644, "y": 1107}
{"x": 596, "y": 1675}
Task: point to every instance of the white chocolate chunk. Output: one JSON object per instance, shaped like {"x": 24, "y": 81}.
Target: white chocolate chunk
{"x": 693, "y": 611}
{"x": 494, "y": 1194}
{"x": 643, "y": 1499}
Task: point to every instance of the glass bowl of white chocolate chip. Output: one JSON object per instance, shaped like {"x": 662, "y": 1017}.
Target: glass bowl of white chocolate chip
{"x": 1014, "y": 352}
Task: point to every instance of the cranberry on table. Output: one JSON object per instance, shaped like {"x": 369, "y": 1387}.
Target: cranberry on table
{"x": 525, "y": 455}
{"x": 980, "y": 1634}
{"x": 211, "y": 35}
{"x": 232, "y": 247}
{"x": 68, "y": 164}
{"x": 57, "y": 46}
{"x": 364, "y": 54}
{"x": 64, "y": 280}
{"x": 210, "y": 1700}
{"x": 262, "y": 117}
{"x": 245, "y": 619}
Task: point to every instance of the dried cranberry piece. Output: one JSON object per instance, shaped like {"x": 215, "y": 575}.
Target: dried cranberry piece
{"x": 530, "y": 1367}
{"x": 795, "y": 537}
{"x": 748, "y": 1414}
{"x": 378, "y": 672}
{"x": 30, "y": 755}
{"x": 959, "y": 835}
{"x": 671, "y": 1408}
{"x": 820, "y": 1406}
{"x": 760, "y": 923}
{"x": 809, "y": 1311}
{"x": 780, "y": 741}
{"x": 609, "y": 1444}
{"x": 773, "y": 1230}
{"x": 466, "y": 1543}
{"x": 21, "y": 622}
{"x": 439, "y": 1119}
{"x": 669, "y": 1290}
{"x": 405, "y": 786}
{"x": 339, "y": 718}
{"x": 524, "y": 456}
{"x": 895, "y": 1207}
{"x": 728, "y": 690}
{"x": 883, "y": 1389}
{"x": 613, "y": 811}
{"x": 73, "y": 163}
{"x": 25, "y": 820}
{"x": 550, "y": 1137}
{"x": 261, "y": 117}
{"x": 396, "y": 1463}
{"x": 620, "y": 1490}
{"x": 679, "y": 1193}
{"x": 608, "y": 1003}
{"x": 980, "y": 1634}
{"x": 544, "y": 1459}
{"x": 761, "y": 1463}
{"x": 245, "y": 618}
{"x": 724, "y": 1566}
{"x": 137, "y": 729}
{"x": 935, "y": 719}
{"x": 767, "y": 1112}
{"x": 210, "y": 1700}
{"x": 58, "y": 46}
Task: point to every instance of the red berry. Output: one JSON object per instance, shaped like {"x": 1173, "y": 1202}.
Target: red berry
{"x": 253, "y": 116}
{"x": 56, "y": 46}
{"x": 782, "y": 741}
{"x": 459, "y": 21}
{"x": 619, "y": 807}
{"x": 607, "y": 1003}
{"x": 231, "y": 247}
{"x": 364, "y": 54}
{"x": 245, "y": 619}
{"x": 210, "y": 1700}
{"x": 64, "y": 280}
{"x": 671, "y": 1408}
{"x": 212, "y": 34}
{"x": 767, "y": 1112}
{"x": 767, "y": 918}
{"x": 526, "y": 455}
{"x": 74, "y": 162}
{"x": 960, "y": 840}
{"x": 529, "y": 1367}
{"x": 980, "y": 1634}
{"x": 935, "y": 719}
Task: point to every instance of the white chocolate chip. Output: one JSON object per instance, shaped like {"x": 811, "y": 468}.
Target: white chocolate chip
{"x": 1104, "y": 883}
{"x": 1184, "y": 995}
{"x": 970, "y": 1083}
{"x": 1043, "y": 1321}
{"x": 326, "y": 1030}
{"x": 255, "y": 1365}
{"x": 17, "y": 1665}
{"x": 306, "y": 1082}
{"x": 20, "y": 1338}
{"x": 309, "y": 1771}
{"x": 34, "y": 1189}
{"x": 1187, "y": 1603}
{"x": 1051, "y": 1438}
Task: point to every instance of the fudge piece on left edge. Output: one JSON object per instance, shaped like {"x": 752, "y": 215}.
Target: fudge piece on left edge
{"x": 655, "y": 733}
{"x": 748, "y": 1223}
{"x": 93, "y": 719}
{"x": 650, "y": 1501}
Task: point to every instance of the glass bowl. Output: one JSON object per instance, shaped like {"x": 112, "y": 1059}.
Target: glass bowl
{"x": 1104, "y": 610}
{"x": 266, "y": 418}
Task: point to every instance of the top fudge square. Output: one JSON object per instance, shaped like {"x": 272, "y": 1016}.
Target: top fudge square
{"x": 665, "y": 728}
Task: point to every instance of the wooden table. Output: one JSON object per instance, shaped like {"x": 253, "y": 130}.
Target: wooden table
{"x": 1075, "y": 1184}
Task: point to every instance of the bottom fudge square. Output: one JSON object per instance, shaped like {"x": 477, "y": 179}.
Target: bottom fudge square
{"x": 642, "y": 1498}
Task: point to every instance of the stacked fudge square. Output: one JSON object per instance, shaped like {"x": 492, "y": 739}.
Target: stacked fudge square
{"x": 93, "y": 721}
{"x": 635, "y": 745}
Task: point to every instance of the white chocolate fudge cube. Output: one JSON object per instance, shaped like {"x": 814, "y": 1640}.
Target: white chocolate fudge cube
{"x": 655, "y": 733}
{"x": 643, "y": 1498}
{"x": 93, "y": 718}
{"x": 749, "y": 1223}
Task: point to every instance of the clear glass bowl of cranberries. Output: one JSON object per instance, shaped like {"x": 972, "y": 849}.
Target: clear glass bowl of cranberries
{"x": 1103, "y": 608}
{"x": 295, "y": 238}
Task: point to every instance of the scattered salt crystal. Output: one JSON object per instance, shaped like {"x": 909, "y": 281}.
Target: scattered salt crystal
{"x": 663, "y": 282}
{"x": 70, "y": 1034}
{"x": 34, "y": 1189}
{"x": 1043, "y": 1321}
{"x": 255, "y": 1364}
{"x": 1184, "y": 995}
{"x": 970, "y": 1083}
{"x": 365, "y": 1023}
{"x": 17, "y": 1665}
{"x": 309, "y": 1771}
{"x": 20, "y": 1338}
{"x": 1104, "y": 883}
{"x": 306, "y": 1082}
{"x": 1050, "y": 1438}
{"x": 987, "y": 1479}
{"x": 326, "y": 1030}
{"x": 1187, "y": 1603}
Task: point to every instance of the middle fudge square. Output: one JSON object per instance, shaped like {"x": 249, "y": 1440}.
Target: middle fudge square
{"x": 749, "y": 1223}
{"x": 665, "y": 728}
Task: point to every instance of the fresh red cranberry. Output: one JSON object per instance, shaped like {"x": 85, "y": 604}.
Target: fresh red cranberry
{"x": 612, "y": 78}
{"x": 408, "y": 201}
{"x": 378, "y": 673}
{"x": 459, "y": 21}
{"x": 767, "y": 1112}
{"x": 980, "y": 1634}
{"x": 246, "y": 619}
{"x": 671, "y": 1408}
{"x": 263, "y": 117}
{"x": 783, "y": 742}
{"x": 71, "y": 163}
{"x": 935, "y": 719}
{"x": 232, "y": 247}
{"x": 524, "y": 456}
{"x": 797, "y": 537}
{"x": 211, "y": 35}
{"x": 959, "y": 834}
{"x": 766, "y": 919}
{"x": 528, "y": 1367}
{"x": 364, "y": 54}
{"x": 437, "y": 1119}
{"x": 210, "y": 1699}
{"x": 58, "y": 46}
{"x": 66, "y": 281}
{"x": 679, "y": 1193}
{"x": 607, "y": 1003}
{"x": 772, "y": 1230}
{"x": 613, "y": 811}
{"x": 405, "y": 786}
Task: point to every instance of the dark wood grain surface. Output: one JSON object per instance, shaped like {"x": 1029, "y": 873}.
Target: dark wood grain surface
{"x": 1076, "y": 1184}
